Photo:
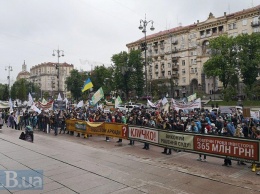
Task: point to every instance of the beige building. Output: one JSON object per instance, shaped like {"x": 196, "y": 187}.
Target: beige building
{"x": 176, "y": 56}
{"x": 46, "y": 76}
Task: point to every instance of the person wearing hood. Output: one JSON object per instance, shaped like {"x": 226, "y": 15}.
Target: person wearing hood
{"x": 231, "y": 128}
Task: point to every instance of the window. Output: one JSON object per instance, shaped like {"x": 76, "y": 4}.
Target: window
{"x": 192, "y": 35}
{"x": 169, "y": 65}
{"x": 184, "y": 80}
{"x": 183, "y": 71}
{"x": 195, "y": 70}
{"x": 193, "y": 53}
{"x": 244, "y": 22}
{"x": 232, "y": 26}
{"x": 169, "y": 73}
{"x": 183, "y": 62}
{"x": 208, "y": 32}
{"x": 256, "y": 30}
{"x": 193, "y": 61}
{"x": 244, "y": 31}
{"x": 182, "y": 37}
{"x": 255, "y": 21}
{"x": 191, "y": 70}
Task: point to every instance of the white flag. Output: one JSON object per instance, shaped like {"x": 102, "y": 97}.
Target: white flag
{"x": 34, "y": 108}
{"x": 30, "y": 100}
{"x": 66, "y": 101}
{"x": 11, "y": 105}
{"x": 118, "y": 101}
{"x": 150, "y": 103}
{"x": 80, "y": 104}
{"x": 44, "y": 101}
{"x": 164, "y": 101}
{"x": 59, "y": 97}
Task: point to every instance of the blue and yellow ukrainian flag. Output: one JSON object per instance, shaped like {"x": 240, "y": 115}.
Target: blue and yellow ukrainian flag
{"x": 87, "y": 85}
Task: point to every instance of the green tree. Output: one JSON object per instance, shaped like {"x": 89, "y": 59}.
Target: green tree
{"x": 74, "y": 84}
{"x": 248, "y": 57}
{"x": 222, "y": 60}
{"x": 102, "y": 76}
{"x": 135, "y": 61}
{"x": 128, "y": 73}
{"x": 4, "y": 94}
{"x": 21, "y": 88}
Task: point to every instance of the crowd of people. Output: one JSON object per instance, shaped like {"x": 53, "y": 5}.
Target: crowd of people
{"x": 198, "y": 121}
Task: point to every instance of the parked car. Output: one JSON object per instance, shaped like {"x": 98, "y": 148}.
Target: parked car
{"x": 127, "y": 107}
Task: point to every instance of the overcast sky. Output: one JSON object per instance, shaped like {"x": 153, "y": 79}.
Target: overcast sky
{"x": 90, "y": 31}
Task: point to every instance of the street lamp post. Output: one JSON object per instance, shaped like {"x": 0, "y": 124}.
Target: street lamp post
{"x": 9, "y": 69}
{"x": 238, "y": 49}
{"x": 143, "y": 24}
{"x": 60, "y": 53}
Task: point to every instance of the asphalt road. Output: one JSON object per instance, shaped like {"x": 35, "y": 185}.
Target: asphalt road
{"x": 73, "y": 164}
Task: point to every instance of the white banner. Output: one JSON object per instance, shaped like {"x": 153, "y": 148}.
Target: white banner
{"x": 143, "y": 134}
{"x": 191, "y": 105}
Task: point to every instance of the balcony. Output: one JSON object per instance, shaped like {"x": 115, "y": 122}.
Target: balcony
{"x": 155, "y": 46}
{"x": 175, "y": 59}
{"x": 175, "y": 50}
{"x": 161, "y": 53}
{"x": 175, "y": 42}
{"x": 162, "y": 46}
{"x": 175, "y": 75}
{"x": 255, "y": 23}
{"x": 162, "y": 77}
{"x": 175, "y": 67}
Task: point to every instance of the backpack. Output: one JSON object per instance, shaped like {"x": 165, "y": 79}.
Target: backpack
{"x": 22, "y": 136}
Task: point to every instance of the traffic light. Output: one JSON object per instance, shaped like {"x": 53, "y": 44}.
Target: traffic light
{"x": 143, "y": 46}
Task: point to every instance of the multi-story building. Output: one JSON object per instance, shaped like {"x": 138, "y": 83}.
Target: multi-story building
{"x": 176, "y": 56}
{"x": 51, "y": 79}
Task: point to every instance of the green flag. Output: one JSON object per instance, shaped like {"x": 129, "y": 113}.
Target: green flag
{"x": 97, "y": 96}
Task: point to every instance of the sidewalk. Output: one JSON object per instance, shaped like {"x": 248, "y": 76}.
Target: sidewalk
{"x": 77, "y": 165}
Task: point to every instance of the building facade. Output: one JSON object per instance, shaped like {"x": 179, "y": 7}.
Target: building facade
{"x": 51, "y": 78}
{"x": 176, "y": 56}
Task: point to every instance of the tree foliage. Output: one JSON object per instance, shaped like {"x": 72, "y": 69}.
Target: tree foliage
{"x": 128, "y": 75}
{"x": 21, "y": 88}
{"x": 221, "y": 62}
{"x": 234, "y": 59}
{"x": 4, "y": 94}
{"x": 248, "y": 57}
{"x": 74, "y": 84}
{"x": 102, "y": 76}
